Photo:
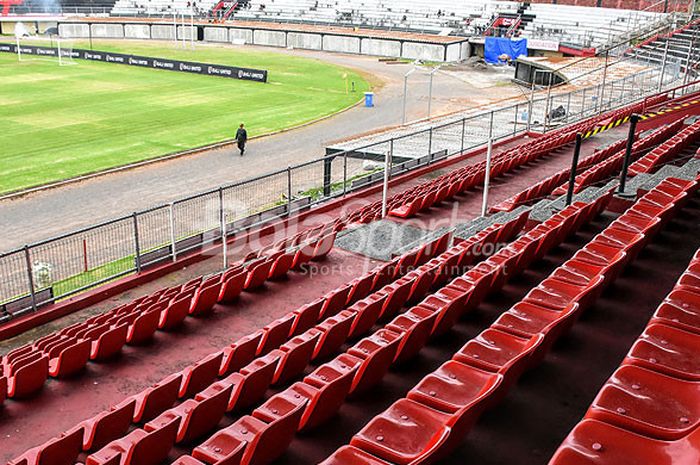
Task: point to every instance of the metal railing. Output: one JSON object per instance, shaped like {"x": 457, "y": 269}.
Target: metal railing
{"x": 48, "y": 271}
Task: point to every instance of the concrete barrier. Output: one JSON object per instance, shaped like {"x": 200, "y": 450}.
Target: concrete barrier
{"x": 270, "y": 38}
{"x": 216, "y": 34}
{"x": 235, "y": 34}
{"x": 380, "y": 47}
{"x": 343, "y": 44}
{"x": 73, "y": 30}
{"x": 137, "y": 31}
{"x": 163, "y": 32}
{"x": 420, "y": 51}
{"x": 454, "y": 52}
{"x": 107, "y": 31}
{"x": 304, "y": 41}
{"x": 187, "y": 32}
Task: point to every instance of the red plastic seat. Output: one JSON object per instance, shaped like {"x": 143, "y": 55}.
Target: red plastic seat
{"x": 307, "y": 317}
{"x": 323, "y": 247}
{"x": 70, "y": 360}
{"x": 415, "y": 327}
{"x": 108, "y": 425}
{"x": 326, "y": 389}
{"x": 139, "y": 447}
{"x": 334, "y": 302}
{"x": 397, "y": 296}
{"x": 175, "y": 313}
{"x": 144, "y": 327}
{"x": 109, "y": 344}
{"x": 463, "y": 391}
{"x": 200, "y": 375}
{"x": 596, "y": 443}
{"x": 232, "y": 285}
{"x": 258, "y": 273}
{"x": 377, "y": 353}
{"x": 27, "y": 378}
{"x": 205, "y": 298}
{"x": 295, "y": 355}
{"x": 252, "y": 381}
{"x": 187, "y": 460}
{"x": 648, "y": 403}
{"x": 680, "y": 315}
{"x": 500, "y": 352}
{"x": 156, "y": 399}
{"x": 360, "y": 288}
{"x": 276, "y": 333}
{"x": 557, "y": 295}
{"x": 196, "y": 416}
{"x": 448, "y": 307}
{"x": 240, "y": 353}
{"x": 367, "y": 314}
{"x": 334, "y": 332}
{"x": 63, "y": 450}
{"x": 406, "y": 433}
{"x": 667, "y": 350}
{"x": 349, "y": 455}
{"x": 281, "y": 266}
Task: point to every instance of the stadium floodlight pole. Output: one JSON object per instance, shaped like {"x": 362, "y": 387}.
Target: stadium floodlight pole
{"x": 387, "y": 168}
{"x": 574, "y": 166}
{"x": 430, "y": 89}
{"x": 405, "y": 92}
{"x": 628, "y": 153}
{"x": 487, "y": 176}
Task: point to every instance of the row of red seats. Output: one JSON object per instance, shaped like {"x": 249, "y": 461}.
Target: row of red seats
{"x": 238, "y": 360}
{"x": 257, "y": 439}
{"x": 441, "y": 409}
{"x": 443, "y": 406}
{"x": 66, "y": 352}
{"x": 648, "y": 411}
{"x": 667, "y": 150}
{"x": 613, "y": 164}
{"x": 546, "y": 186}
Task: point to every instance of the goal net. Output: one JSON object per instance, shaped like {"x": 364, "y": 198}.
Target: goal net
{"x": 48, "y": 47}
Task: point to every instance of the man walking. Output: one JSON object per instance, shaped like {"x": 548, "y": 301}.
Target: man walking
{"x": 241, "y": 138}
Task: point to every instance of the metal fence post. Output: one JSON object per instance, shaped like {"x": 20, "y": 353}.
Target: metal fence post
{"x": 464, "y": 128}
{"x": 628, "y": 152}
{"x": 583, "y": 103}
{"x": 602, "y": 86}
{"x": 137, "y": 245}
{"x": 515, "y": 120}
{"x": 387, "y": 168}
{"x": 568, "y": 106}
{"x": 224, "y": 234}
{"x": 172, "y": 231}
{"x": 30, "y": 276}
{"x": 430, "y": 143}
{"x": 572, "y": 173}
{"x": 289, "y": 190}
{"x": 345, "y": 173}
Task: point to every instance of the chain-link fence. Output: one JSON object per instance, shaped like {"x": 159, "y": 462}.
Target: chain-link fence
{"x": 45, "y": 272}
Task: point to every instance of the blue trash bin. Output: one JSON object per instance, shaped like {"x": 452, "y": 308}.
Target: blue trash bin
{"x": 369, "y": 99}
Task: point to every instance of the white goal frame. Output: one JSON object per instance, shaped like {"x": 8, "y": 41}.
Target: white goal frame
{"x": 63, "y": 53}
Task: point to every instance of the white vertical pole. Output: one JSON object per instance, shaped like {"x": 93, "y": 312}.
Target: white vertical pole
{"x": 171, "y": 214}
{"x": 387, "y": 168}
{"x": 19, "y": 51}
{"x": 192, "y": 29}
{"x": 487, "y": 177}
{"x": 224, "y": 235}
{"x": 175, "y": 27}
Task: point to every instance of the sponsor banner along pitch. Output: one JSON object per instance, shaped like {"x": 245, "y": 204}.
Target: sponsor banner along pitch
{"x": 233, "y": 72}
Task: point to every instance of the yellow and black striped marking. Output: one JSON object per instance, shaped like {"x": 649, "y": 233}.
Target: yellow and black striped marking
{"x": 610, "y": 125}
{"x": 668, "y": 110}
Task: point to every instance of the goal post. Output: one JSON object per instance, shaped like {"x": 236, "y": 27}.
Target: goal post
{"x": 43, "y": 48}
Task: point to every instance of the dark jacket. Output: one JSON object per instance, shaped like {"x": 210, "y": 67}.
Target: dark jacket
{"x": 241, "y": 135}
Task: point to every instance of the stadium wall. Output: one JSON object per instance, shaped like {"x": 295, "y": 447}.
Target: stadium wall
{"x": 438, "y": 51}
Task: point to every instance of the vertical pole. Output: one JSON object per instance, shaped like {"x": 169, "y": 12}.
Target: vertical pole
{"x": 430, "y": 94}
{"x": 289, "y": 190}
{"x": 583, "y": 103}
{"x": 464, "y": 129}
{"x": 171, "y": 214}
{"x": 487, "y": 177}
{"x": 90, "y": 34}
{"x": 628, "y": 152}
{"x": 572, "y": 174}
{"x": 602, "y": 85}
{"x": 387, "y": 168}
{"x": 547, "y": 103}
{"x": 663, "y": 68}
{"x": 405, "y": 90}
{"x": 688, "y": 58}
{"x": 30, "y": 276}
{"x": 531, "y": 103}
{"x": 192, "y": 29}
{"x": 137, "y": 245}
{"x": 175, "y": 27}
{"x": 345, "y": 173}
{"x": 224, "y": 233}
{"x": 430, "y": 143}
{"x": 568, "y": 106}
{"x": 515, "y": 120}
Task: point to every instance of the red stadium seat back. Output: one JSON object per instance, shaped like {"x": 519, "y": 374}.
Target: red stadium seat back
{"x": 377, "y": 353}
{"x": 108, "y": 425}
{"x": 109, "y": 344}
{"x": 258, "y": 273}
{"x": 155, "y": 400}
{"x": 29, "y": 378}
{"x": 200, "y": 375}
{"x": 174, "y": 314}
{"x": 153, "y": 447}
{"x": 205, "y": 298}
{"x": 360, "y": 288}
{"x": 232, "y": 286}
{"x": 667, "y": 350}
{"x": 252, "y": 381}
{"x": 224, "y": 447}
{"x": 240, "y": 353}
{"x": 349, "y": 455}
{"x": 415, "y": 327}
{"x": 295, "y": 355}
{"x": 276, "y": 333}
{"x": 63, "y": 450}
{"x": 71, "y": 360}
{"x": 334, "y": 301}
{"x": 334, "y": 332}
{"x": 144, "y": 327}
{"x": 307, "y": 317}
{"x": 367, "y": 314}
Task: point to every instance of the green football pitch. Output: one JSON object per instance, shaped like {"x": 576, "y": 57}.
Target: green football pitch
{"x": 60, "y": 122}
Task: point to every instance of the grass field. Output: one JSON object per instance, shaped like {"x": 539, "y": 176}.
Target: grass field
{"x": 63, "y": 121}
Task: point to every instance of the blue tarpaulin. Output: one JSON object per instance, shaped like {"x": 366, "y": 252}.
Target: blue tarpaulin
{"x": 497, "y": 46}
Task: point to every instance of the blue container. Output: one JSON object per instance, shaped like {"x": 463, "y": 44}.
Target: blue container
{"x": 369, "y": 99}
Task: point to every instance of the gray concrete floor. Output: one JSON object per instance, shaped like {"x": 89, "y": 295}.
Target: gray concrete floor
{"x": 55, "y": 211}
